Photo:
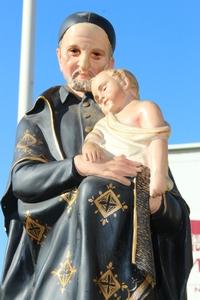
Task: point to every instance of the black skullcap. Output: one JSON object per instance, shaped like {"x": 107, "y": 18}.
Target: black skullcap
{"x": 89, "y": 17}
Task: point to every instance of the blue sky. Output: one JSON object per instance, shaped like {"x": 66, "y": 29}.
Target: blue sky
{"x": 158, "y": 41}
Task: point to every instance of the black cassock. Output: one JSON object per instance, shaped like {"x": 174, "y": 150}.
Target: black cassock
{"x": 79, "y": 238}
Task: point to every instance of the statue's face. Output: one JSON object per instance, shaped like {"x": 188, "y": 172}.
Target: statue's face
{"x": 84, "y": 51}
{"x": 108, "y": 93}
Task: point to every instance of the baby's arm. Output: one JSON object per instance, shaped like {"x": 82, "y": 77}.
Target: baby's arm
{"x": 91, "y": 149}
{"x": 151, "y": 117}
{"x": 92, "y": 152}
{"x": 159, "y": 167}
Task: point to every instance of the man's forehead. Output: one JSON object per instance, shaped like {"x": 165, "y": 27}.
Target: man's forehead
{"x": 90, "y": 18}
{"x": 85, "y": 29}
{"x": 87, "y": 35}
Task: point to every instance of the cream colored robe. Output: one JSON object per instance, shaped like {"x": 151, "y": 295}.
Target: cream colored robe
{"x": 133, "y": 142}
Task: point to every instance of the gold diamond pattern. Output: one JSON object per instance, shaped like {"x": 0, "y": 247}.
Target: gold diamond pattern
{"x": 108, "y": 284}
{"x": 34, "y": 229}
{"x": 27, "y": 141}
{"x": 108, "y": 203}
{"x": 64, "y": 273}
{"x": 70, "y": 197}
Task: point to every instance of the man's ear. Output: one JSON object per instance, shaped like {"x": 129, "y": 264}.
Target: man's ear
{"x": 111, "y": 63}
{"x": 58, "y": 53}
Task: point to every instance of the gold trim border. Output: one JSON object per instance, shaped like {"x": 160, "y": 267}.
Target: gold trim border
{"x": 134, "y": 241}
{"x": 53, "y": 127}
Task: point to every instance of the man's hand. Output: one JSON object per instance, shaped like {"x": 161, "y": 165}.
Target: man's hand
{"x": 118, "y": 168}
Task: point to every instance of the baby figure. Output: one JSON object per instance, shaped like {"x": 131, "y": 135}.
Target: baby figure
{"x": 131, "y": 127}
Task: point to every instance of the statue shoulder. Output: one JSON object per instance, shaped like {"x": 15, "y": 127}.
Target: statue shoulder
{"x": 51, "y": 96}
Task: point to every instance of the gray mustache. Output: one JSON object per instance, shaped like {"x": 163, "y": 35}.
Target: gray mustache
{"x": 81, "y": 85}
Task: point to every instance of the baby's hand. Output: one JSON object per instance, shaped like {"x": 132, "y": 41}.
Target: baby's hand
{"x": 92, "y": 152}
{"x": 158, "y": 185}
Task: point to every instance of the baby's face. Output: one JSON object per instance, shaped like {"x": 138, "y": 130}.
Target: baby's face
{"x": 107, "y": 92}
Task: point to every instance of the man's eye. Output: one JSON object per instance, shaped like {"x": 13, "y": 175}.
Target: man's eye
{"x": 96, "y": 55}
{"x": 73, "y": 51}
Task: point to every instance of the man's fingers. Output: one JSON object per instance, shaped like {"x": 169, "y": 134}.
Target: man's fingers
{"x": 117, "y": 169}
{"x": 120, "y": 179}
{"x": 129, "y": 163}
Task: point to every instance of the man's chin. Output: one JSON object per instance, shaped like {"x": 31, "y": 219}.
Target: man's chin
{"x": 80, "y": 85}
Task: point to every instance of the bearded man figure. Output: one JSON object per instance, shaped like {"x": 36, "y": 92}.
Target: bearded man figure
{"x": 70, "y": 222}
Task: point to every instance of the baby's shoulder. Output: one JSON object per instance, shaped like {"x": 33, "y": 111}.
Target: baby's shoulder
{"x": 148, "y": 105}
{"x": 146, "y": 102}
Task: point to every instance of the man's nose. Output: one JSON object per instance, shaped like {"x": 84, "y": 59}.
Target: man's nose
{"x": 83, "y": 61}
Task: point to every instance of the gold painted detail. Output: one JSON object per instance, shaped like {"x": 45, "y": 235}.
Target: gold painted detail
{"x": 35, "y": 230}
{"x": 109, "y": 284}
{"x": 135, "y": 223}
{"x": 143, "y": 289}
{"x": 88, "y": 129}
{"x": 70, "y": 197}
{"x": 40, "y": 158}
{"x": 108, "y": 203}
{"x": 27, "y": 141}
{"x": 53, "y": 126}
{"x": 65, "y": 273}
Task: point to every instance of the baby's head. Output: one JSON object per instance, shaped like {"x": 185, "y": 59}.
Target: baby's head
{"x": 114, "y": 88}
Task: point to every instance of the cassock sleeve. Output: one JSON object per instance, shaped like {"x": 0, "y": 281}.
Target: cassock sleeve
{"x": 167, "y": 220}
{"x": 36, "y": 174}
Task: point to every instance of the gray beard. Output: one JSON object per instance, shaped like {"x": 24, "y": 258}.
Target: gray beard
{"x": 81, "y": 85}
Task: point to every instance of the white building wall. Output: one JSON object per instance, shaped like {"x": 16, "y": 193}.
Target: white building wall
{"x": 184, "y": 162}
